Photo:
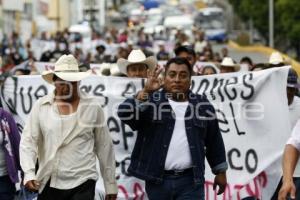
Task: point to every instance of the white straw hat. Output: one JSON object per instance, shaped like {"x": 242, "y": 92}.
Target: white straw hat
{"x": 228, "y": 62}
{"x": 276, "y": 58}
{"x": 136, "y": 57}
{"x": 67, "y": 69}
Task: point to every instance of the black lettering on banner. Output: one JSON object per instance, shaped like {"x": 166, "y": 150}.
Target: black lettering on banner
{"x": 41, "y": 91}
{"x": 192, "y": 85}
{"x": 123, "y": 164}
{"x": 20, "y": 127}
{"x": 222, "y": 121}
{"x": 126, "y": 135}
{"x": 220, "y": 90}
{"x": 113, "y": 125}
{"x": 251, "y": 169}
{"x": 203, "y": 83}
{"x": 11, "y": 103}
{"x": 26, "y": 111}
{"x": 230, "y": 160}
{"x": 248, "y": 85}
{"x": 86, "y": 88}
{"x": 234, "y": 121}
{"x": 235, "y": 80}
{"x": 130, "y": 90}
{"x": 98, "y": 92}
{"x": 216, "y": 85}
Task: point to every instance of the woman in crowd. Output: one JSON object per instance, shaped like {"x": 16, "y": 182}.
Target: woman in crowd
{"x": 9, "y": 155}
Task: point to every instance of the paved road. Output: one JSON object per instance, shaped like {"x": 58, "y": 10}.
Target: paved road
{"x": 237, "y": 55}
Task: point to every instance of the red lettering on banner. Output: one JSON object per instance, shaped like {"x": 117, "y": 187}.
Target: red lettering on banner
{"x": 123, "y": 190}
{"x": 227, "y": 193}
{"x": 238, "y": 188}
{"x": 263, "y": 179}
{"x": 252, "y": 189}
{"x": 138, "y": 191}
{"x": 207, "y": 185}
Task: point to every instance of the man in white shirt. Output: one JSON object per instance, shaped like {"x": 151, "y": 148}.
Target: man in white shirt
{"x": 177, "y": 130}
{"x": 66, "y": 132}
{"x": 291, "y": 152}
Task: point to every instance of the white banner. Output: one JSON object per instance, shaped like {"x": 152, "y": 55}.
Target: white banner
{"x": 252, "y": 111}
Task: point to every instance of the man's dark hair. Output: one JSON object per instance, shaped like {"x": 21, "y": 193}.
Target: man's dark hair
{"x": 54, "y": 78}
{"x": 247, "y": 60}
{"x": 179, "y": 61}
{"x": 100, "y": 47}
{"x": 187, "y": 49}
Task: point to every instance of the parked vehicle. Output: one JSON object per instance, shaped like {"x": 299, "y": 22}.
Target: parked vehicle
{"x": 213, "y": 22}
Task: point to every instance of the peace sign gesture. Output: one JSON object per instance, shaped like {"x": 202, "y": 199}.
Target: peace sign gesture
{"x": 153, "y": 83}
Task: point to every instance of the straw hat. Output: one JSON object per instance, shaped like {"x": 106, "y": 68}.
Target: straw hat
{"x": 67, "y": 69}
{"x": 228, "y": 62}
{"x": 276, "y": 59}
{"x": 136, "y": 57}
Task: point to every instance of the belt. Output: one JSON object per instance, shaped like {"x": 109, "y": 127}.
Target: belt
{"x": 178, "y": 172}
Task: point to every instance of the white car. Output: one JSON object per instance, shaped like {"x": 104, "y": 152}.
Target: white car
{"x": 180, "y": 22}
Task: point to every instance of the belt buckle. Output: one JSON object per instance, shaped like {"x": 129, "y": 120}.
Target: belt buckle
{"x": 177, "y": 172}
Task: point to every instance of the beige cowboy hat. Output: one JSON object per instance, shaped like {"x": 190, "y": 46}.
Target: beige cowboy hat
{"x": 276, "y": 58}
{"x": 67, "y": 69}
{"x": 228, "y": 62}
{"x": 135, "y": 57}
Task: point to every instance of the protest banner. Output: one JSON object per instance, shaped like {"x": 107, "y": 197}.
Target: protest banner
{"x": 252, "y": 111}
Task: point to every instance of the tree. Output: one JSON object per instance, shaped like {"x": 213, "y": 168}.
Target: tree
{"x": 289, "y": 12}
{"x": 286, "y": 22}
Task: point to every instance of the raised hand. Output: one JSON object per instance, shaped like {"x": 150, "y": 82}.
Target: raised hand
{"x": 153, "y": 83}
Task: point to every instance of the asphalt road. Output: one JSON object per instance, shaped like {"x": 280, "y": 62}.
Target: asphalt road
{"x": 237, "y": 55}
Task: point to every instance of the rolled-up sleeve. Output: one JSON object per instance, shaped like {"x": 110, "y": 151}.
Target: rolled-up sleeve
{"x": 106, "y": 155}
{"x": 215, "y": 148}
{"x": 29, "y": 144}
{"x": 294, "y": 140}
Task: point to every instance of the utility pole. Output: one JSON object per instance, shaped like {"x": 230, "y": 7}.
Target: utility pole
{"x": 271, "y": 23}
{"x": 58, "y": 14}
{"x": 102, "y": 13}
{"x": 251, "y": 30}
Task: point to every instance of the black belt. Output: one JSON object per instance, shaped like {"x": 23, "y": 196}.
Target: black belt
{"x": 178, "y": 172}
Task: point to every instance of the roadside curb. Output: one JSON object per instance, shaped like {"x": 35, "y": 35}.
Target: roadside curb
{"x": 264, "y": 50}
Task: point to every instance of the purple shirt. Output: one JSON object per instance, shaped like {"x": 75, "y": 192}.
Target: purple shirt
{"x": 10, "y": 145}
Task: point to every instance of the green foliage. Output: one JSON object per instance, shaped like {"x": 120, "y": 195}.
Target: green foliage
{"x": 286, "y": 18}
{"x": 257, "y": 10}
{"x": 289, "y": 11}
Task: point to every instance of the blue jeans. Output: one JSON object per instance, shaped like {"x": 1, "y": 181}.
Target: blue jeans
{"x": 175, "y": 188}
{"x": 297, "y": 185}
{"x": 7, "y": 188}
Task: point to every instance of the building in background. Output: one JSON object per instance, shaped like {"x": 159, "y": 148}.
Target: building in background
{"x": 28, "y": 17}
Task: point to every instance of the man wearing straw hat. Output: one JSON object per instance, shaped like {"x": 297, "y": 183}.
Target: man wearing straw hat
{"x": 137, "y": 64}
{"x": 228, "y": 66}
{"x": 66, "y": 131}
